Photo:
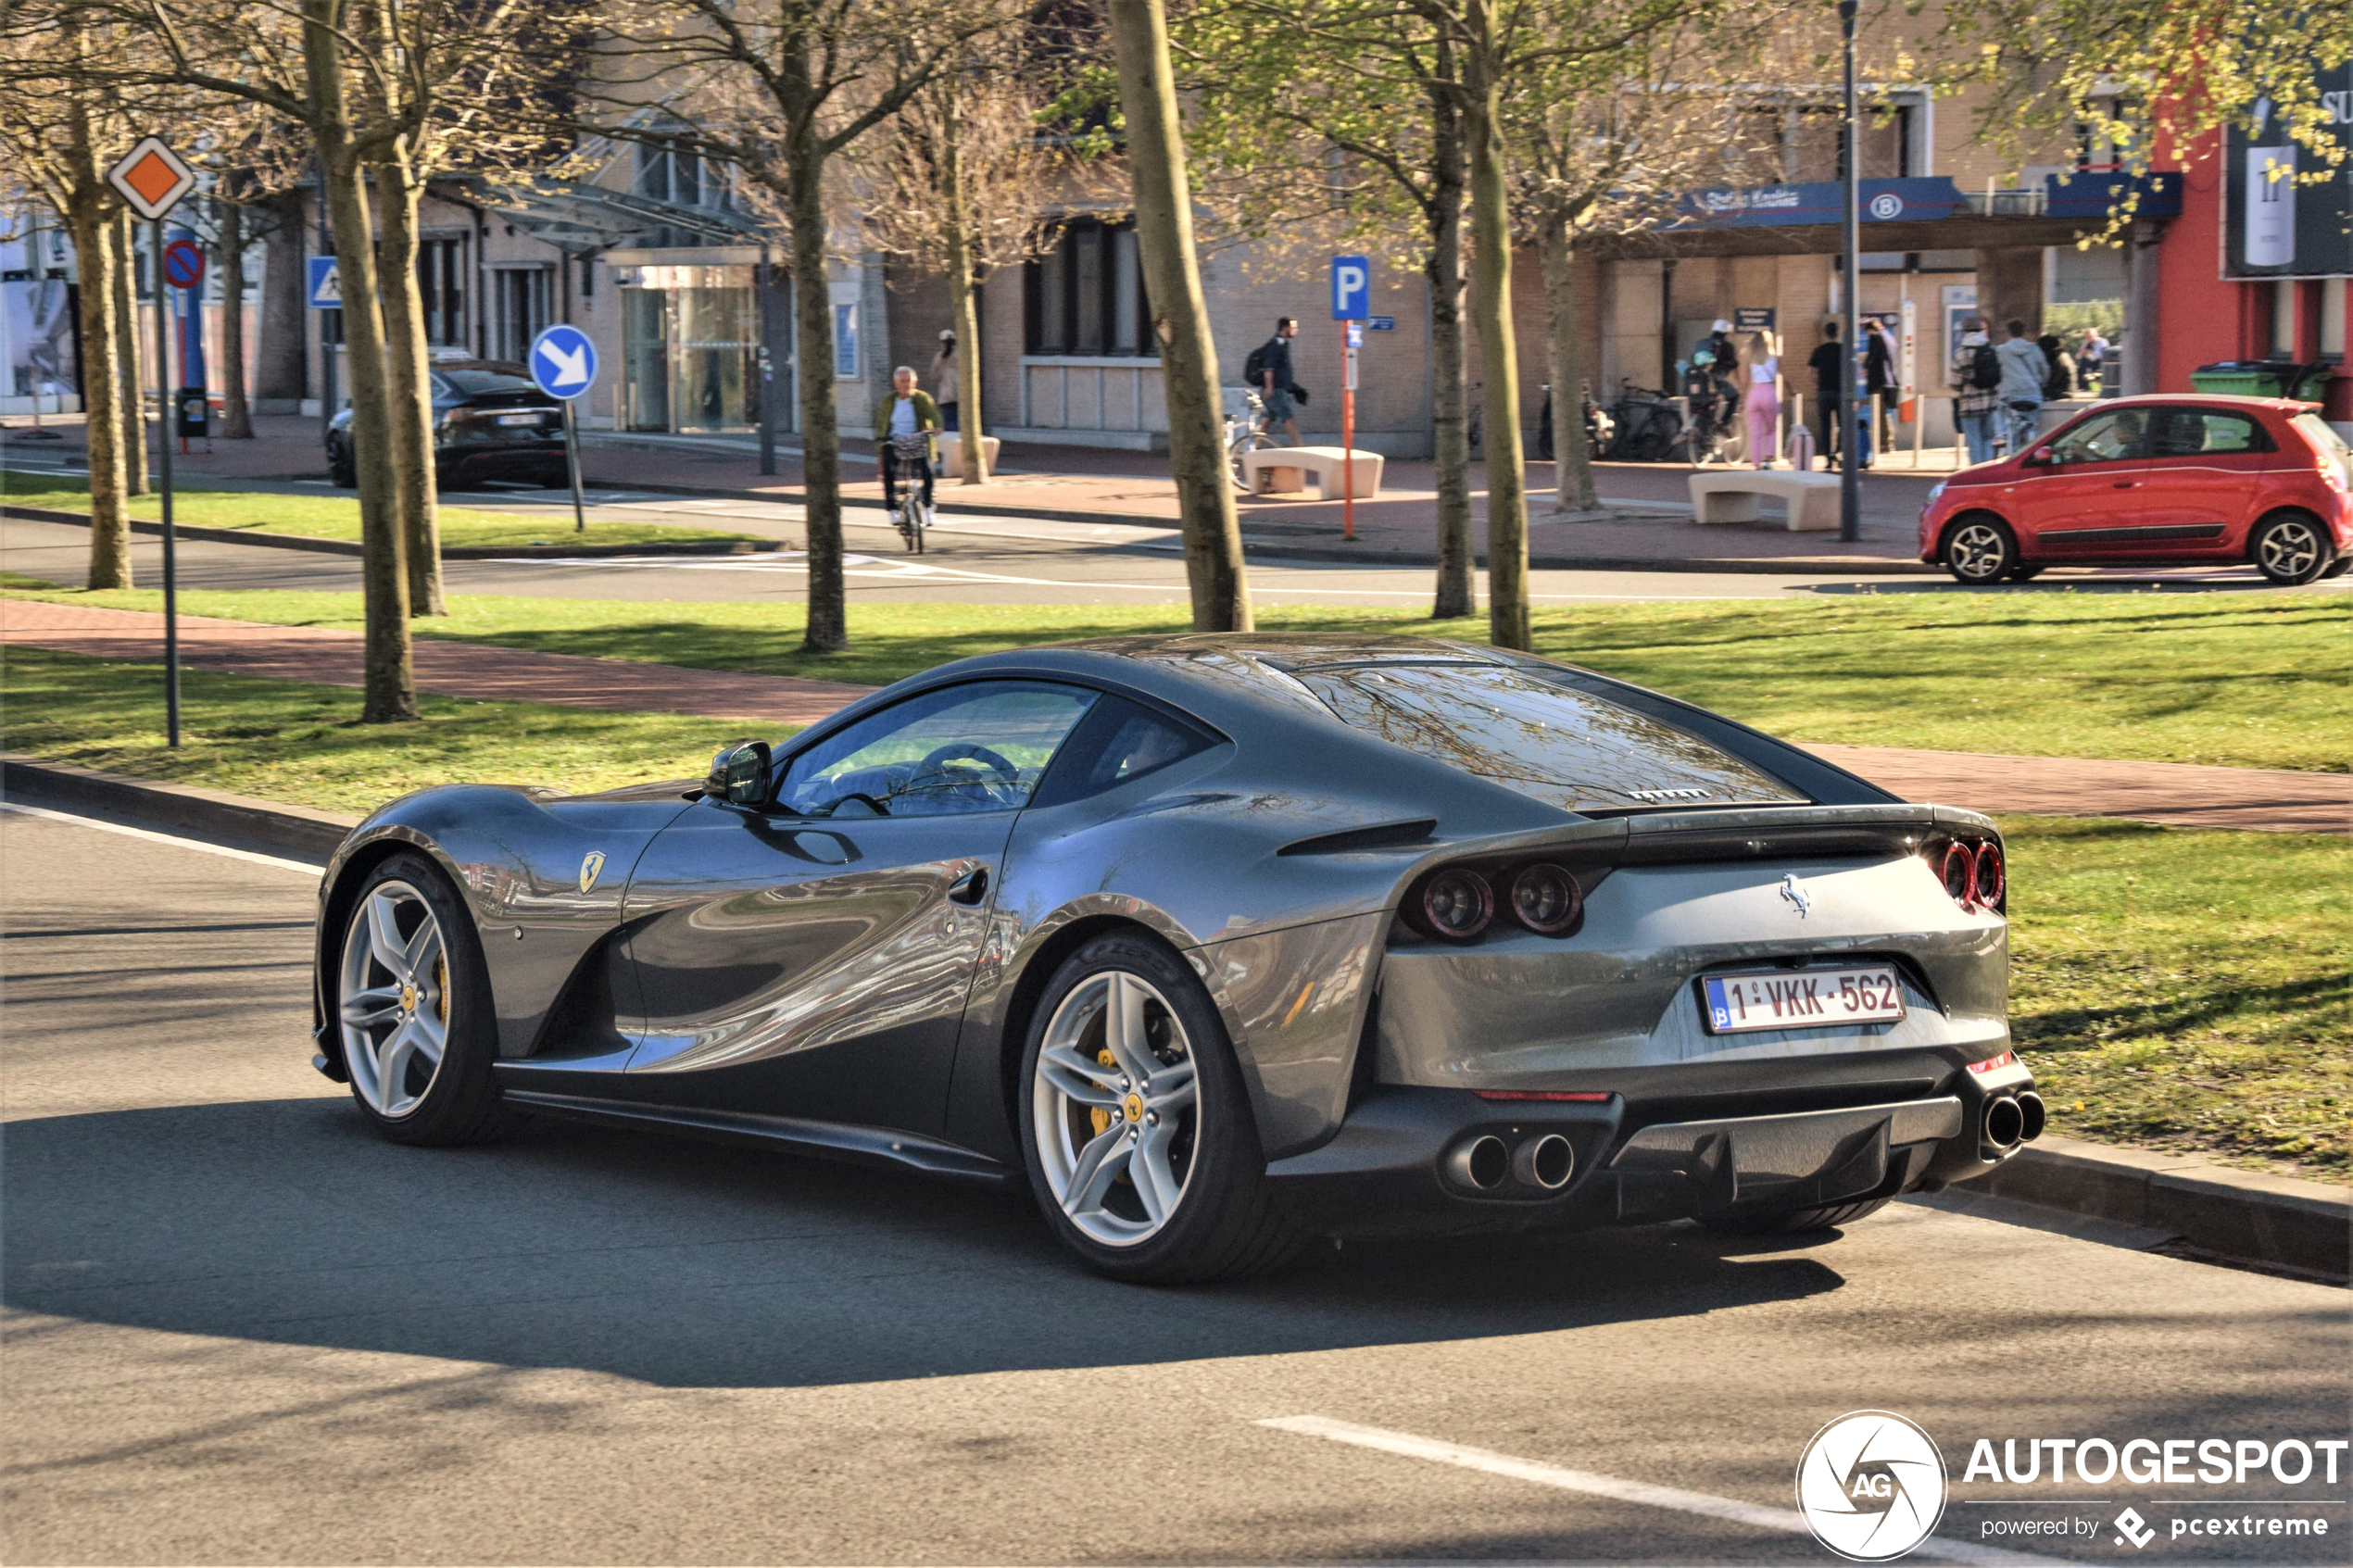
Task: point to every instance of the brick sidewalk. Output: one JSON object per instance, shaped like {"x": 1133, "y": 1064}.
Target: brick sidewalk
{"x": 2175, "y": 794}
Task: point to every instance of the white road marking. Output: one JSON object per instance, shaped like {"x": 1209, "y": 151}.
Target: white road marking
{"x": 272, "y": 862}
{"x": 1780, "y": 1519}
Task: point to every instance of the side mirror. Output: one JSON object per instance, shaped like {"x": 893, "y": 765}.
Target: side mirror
{"x": 739, "y": 774}
{"x": 2040, "y": 458}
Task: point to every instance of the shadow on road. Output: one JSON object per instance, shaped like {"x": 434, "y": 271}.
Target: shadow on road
{"x": 683, "y": 1264}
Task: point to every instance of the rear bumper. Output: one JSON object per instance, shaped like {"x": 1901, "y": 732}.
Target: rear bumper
{"x": 1400, "y": 1162}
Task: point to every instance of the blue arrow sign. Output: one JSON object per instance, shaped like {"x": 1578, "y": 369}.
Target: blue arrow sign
{"x": 564, "y": 361}
{"x": 326, "y": 284}
{"x": 1352, "y": 287}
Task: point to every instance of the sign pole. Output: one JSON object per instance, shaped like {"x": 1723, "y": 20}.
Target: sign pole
{"x": 163, "y": 477}
{"x": 571, "y": 458}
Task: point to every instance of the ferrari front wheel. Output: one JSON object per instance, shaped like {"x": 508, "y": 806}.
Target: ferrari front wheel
{"x": 412, "y": 1009}
{"x": 1135, "y": 1128}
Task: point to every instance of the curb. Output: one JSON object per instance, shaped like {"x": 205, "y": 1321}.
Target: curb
{"x": 2307, "y": 1226}
{"x": 2303, "y": 1226}
{"x": 348, "y": 547}
{"x": 292, "y": 830}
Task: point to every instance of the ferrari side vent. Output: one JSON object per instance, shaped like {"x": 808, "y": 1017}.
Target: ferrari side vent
{"x": 1384, "y": 837}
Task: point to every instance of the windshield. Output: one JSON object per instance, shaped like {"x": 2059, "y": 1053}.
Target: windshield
{"x": 975, "y": 748}
{"x": 1565, "y": 747}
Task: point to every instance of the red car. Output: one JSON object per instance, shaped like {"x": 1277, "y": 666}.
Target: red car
{"x": 2167, "y": 480}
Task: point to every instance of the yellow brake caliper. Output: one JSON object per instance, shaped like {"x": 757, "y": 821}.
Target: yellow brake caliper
{"x": 1099, "y": 1115}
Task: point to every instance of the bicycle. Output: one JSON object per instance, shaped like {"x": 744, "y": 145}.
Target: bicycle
{"x": 1245, "y": 434}
{"x": 909, "y": 460}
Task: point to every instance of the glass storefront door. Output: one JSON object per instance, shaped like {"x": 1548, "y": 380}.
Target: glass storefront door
{"x": 691, "y": 338}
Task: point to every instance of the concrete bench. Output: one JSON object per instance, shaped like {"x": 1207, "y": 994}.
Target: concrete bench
{"x": 1733, "y": 496}
{"x": 952, "y": 454}
{"x": 1282, "y": 469}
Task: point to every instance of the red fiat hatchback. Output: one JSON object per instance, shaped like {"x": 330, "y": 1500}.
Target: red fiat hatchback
{"x": 2168, "y": 481}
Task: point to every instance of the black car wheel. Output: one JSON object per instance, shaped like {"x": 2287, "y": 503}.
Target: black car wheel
{"x": 1795, "y": 1221}
{"x": 2022, "y": 572}
{"x": 2338, "y": 566}
{"x": 1980, "y": 550}
{"x": 342, "y": 467}
{"x": 411, "y": 1006}
{"x": 2291, "y": 549}
{"x": 1135, "y": 1128}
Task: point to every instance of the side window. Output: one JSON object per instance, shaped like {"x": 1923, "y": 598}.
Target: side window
{"x": 1120, "y": 741}
{"x": 2193, "y": 433}
{"x": 976, "y": 747}
{"x": 2107, "y": 438}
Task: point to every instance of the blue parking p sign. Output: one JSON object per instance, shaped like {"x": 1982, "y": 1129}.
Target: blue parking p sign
{"x": 1352, "y": 287}
{"x": 564, "y": 361}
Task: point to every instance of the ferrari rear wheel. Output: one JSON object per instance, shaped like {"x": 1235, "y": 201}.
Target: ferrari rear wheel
{"x": 1793, "y": 1222}
{"x": 413, "y": 1012}
{"x": 1134, "y": 1124}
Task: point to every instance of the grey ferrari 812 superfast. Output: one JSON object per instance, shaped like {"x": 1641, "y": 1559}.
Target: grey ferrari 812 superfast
{"x": 1217, "y": 943}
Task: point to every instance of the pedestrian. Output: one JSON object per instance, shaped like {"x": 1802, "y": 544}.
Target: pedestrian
{"x": 1763, "y": 402}
{"x": 904, "y": 425}
{"x": 1879, "y": 381}
{"x": 1977, "y": 373}
{"x": 2090, "y": 355}
{"x": 945, "y": 375}
{"x": 2061, "y": 381}
{"x": 2023, "y": 373}
{"x": 1270, "y": 366}
{"x": 1833, "y": 377}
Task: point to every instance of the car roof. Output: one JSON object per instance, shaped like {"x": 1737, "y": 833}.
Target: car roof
{"x": 1290, "y": 650}
{"x": 2204, "y": 400}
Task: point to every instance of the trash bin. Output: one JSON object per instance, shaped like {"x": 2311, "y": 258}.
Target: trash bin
{"x": 2259, "y": 378}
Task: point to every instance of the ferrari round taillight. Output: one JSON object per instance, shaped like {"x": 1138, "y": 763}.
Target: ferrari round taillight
{"x": 1960, "y": 872}
{"x": 1545, "y": 899}
{"x": 1986, "y": 883}
{"x": 1455, "y": 904}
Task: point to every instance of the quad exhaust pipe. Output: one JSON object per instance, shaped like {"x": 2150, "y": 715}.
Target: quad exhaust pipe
{"x": 1544, "y": 1161}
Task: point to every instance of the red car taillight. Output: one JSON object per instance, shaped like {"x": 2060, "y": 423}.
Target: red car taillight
{"x": 1454, "y": 905}
{"x": 1545, "y": 898}
{"x": 1987, "y": 881}
{"x": 1973, "y": 874}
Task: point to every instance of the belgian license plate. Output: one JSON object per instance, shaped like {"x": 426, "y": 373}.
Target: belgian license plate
{"x": 519, "y": 418}
{"x": 1802, "y": 998}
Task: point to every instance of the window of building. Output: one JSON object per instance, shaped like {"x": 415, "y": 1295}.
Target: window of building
{"x": 2333, "y": 294}
{"x": 521, "y": 300}
{"x": 1087, "y": 296}
{"x": 2282, "y": 326}
{"x": 441, "y": 279}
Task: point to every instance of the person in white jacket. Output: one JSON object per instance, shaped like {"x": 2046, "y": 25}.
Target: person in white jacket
{"x": 2024, "y": 369}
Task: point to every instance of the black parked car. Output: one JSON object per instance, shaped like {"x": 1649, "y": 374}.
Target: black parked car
{"x": 489, "y": 422}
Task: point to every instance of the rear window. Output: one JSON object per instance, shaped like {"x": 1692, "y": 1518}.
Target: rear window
{"x": 466, "y": 384}
{"x": 1567, "y": 749}
{"x": 2324, "y": 440}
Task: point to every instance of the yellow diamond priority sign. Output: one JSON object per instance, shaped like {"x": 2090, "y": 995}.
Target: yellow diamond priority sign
{"x": 152, "y": 179}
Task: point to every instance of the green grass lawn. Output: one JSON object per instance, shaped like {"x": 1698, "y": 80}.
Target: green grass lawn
{"x": 2187, "y": 989}
{"x": 2251, "y": 680}
{"x": 2182, "y": 988}
{"x": 286, "y": 740}
{"x": 337, "y": 516}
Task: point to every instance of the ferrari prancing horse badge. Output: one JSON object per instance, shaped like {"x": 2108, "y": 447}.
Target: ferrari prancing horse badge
{"x": 589, "y": 869}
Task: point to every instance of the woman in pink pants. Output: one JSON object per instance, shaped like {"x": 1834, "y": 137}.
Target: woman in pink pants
{"x": 1762, "y": 400}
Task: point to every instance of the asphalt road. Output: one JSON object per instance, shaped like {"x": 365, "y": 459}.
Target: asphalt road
{"x": 241, "y": 1328}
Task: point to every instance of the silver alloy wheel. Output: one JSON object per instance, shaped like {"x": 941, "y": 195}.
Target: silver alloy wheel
{"x": 1978, "y": 552}
{"x": 1116, "y": 1109}
{"x": 2288, "y": 550}
{"x": 395, "y": 1000}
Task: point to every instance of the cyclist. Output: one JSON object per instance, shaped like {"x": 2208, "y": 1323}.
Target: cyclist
{"x": 905, "y": 423}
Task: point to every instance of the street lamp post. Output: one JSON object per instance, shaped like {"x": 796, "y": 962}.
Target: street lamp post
{"x": 1850, "y": 482}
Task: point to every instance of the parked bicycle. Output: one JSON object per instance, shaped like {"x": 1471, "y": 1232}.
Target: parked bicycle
{"x": 1648, "y": 426}
{"x": 1245, "y": 434}
{"x": 1597, "y": 425}
{"x": 909, "y": 478}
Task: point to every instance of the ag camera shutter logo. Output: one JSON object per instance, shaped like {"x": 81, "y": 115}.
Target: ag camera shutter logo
{"x": 1870, "y": 1486}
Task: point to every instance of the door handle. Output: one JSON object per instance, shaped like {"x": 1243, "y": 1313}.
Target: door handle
{"x": 971, "y": 887}
{"x": 2124, "y": 483}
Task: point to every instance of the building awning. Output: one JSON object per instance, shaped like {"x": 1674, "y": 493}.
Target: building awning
{"x": 575, "y": 216}
{"x": 1916, "y": 213}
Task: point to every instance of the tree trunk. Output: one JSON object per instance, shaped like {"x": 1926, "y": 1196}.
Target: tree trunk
{"x": 281, "y": 363}
{"x": 1449, "y": 391}
{"x": 237, "y": 410}
{"x": 1491, "y": 308}
{"x": 1188, "y": 357}
{"x": 409, "y": 385}
{"x": 129, "y": 380}
{"x": 87, "y": 221}
{"x": 1572, "y": 463}
{"x": 390, "y": 693}
{"x": 829, "y": 628}
{"x": 970, "y": 441}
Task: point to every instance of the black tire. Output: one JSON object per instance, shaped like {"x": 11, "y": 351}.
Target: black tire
{"x": 2338, "y": 566}
{"x": 1226, "y": 1222}
{"x": 342, "y": 467}
{"x": 1978, "y": 549}
{"x": 1795, "y": 1221}
{"x": 2022, "y": 572}
{"x": 462, "y": 1104}
{"x": 2291, "y": 549}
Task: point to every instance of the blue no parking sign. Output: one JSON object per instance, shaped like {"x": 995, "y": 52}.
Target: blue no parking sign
{"x": 564, "y": 361}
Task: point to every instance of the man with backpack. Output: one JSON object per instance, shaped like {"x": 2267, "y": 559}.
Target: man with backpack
{"x": 2024, "y": 373}
{"x": 1977, "y": 373}
{"x": 1268, "y": 371}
